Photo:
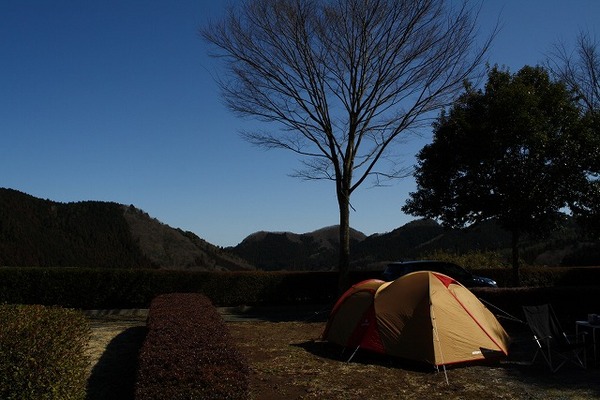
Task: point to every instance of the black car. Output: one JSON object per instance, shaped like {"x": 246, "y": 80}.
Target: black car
{"x": 397, "y": 269}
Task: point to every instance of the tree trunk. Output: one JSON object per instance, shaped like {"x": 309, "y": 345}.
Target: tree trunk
{"x": 344, "y": 256}
{"x": 515, "y": 258}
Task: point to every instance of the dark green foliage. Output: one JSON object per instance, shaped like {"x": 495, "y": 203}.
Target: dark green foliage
{"x": 471, "y": 260}
{"x": 42, "y": 353}
{"x": 118, "y": 288}
{"x": 583, "y": 254}
{"x": 76, "y": 288}
{"x": 188, "y": 353}
{"x": 586, "y": 206}
{"x": 510, "y": 152}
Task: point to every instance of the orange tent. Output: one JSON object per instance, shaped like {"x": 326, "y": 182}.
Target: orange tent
{"x": 424, "y": 316}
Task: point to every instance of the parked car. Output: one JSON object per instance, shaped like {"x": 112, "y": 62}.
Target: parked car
{"x": 397, "y": 269}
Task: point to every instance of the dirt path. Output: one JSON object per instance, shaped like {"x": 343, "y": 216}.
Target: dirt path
{"x": 113, "y": 350}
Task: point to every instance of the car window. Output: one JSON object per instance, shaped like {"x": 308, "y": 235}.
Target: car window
{"x": 452, "y": 270}
{"x": 455, "y": 271}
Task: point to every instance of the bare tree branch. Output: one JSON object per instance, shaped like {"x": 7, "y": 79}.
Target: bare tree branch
{"x": 579, "y": 69}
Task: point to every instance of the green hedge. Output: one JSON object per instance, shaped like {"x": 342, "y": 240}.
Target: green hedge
{"x": 118, "y": 288}
{"x": 571, "y": 303}
{"x": 42, "y": 353}
{"x": 135, "y": 288}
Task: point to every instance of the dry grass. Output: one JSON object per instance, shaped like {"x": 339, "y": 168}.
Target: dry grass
{"x": 287, "y": 362}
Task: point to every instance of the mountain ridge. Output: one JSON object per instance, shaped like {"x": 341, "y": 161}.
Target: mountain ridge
{"x": 416, "y": 239}
{"x": 293, "y": 251}
{"x": 44, "y": 233}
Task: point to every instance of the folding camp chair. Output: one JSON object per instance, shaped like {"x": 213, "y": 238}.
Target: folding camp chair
{"x": 553, "y": 344}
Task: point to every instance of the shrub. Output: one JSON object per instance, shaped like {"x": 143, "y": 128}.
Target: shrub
{"x": 188, "y": 353}
{"x": 470, "y": 260}
{"x": 42, "y": 353}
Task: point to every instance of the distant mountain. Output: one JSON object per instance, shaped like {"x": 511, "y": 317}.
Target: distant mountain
{"x": 421, "y": 237}
{"x": 402, "y": 243}
{"x": 44, "y": 233}
{"x": 316, "y": 250}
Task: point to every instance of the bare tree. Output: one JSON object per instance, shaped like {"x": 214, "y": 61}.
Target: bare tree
{"x": 345, "y": 80}
{"x": 579, "y": 69}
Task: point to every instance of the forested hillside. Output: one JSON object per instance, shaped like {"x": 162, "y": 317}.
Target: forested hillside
{"x": 416, "y": 239}
{"x": 44, "y": 233}
{"x": 316, "y": 250}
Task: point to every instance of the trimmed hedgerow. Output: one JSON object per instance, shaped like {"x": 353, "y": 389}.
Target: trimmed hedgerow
{"x": 42, "y": 353}
{"x": 118, "y": 288}
{"x": 87, "y": 288}
{"x": 188, "y": 353}
{"x": 570, "y": 303}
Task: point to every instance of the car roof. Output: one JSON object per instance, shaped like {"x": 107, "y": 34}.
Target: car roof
{"x": 419, "y": 262}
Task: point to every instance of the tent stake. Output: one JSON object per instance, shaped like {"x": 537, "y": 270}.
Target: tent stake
{"x": 437, "y": 339}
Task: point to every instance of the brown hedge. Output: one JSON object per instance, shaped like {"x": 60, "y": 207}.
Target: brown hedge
{"x": 188, "y": 353}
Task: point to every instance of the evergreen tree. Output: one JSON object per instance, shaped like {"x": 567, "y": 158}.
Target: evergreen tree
{"x": 511, "y": 152}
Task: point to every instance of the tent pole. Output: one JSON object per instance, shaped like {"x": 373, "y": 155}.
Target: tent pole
{"x": 508, "y": 316}
{"x": 437, "y": 339}
{"x": 352, "y": 356}
{"x": 446, "y": 374}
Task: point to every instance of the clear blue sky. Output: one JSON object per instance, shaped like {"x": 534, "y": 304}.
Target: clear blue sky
{"x": 115, "y": 100}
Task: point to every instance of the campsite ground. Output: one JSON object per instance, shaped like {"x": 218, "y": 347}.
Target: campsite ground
{"x": 287, "y": 361}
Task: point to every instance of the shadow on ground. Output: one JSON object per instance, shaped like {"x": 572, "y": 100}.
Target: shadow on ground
{"x": 334, "y": 352}
{"x": 113, "y": 377}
